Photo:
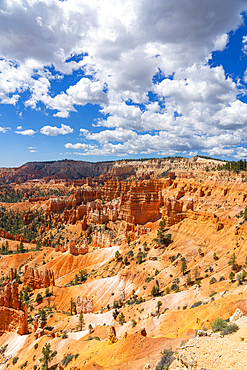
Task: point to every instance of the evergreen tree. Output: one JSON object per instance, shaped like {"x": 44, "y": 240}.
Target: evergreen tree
{"x": 81, "y": 321}
{"x": 48, "y": 355}
{"x": 183, "y": 266}
{"x": 21, "y": 248}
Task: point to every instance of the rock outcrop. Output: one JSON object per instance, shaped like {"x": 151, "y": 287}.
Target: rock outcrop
{"x": 72, "y": 248}
{"x": 140, "y": 204}
{"x": 11, "y": 316}
{"x": 101, "y": 240}
{"x": 112, "y": 335}
{"x": 38, "y": 280}
{"x": 84, "y": 305}
{"x": 173, "y": 212}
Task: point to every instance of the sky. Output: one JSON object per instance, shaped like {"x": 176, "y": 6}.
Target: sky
{"x": 100, "y": 80}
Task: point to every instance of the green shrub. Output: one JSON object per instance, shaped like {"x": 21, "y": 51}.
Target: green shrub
{"x": 3, "y": 349}
{"x": 15, "y": 359}
{"x": 223, "y": 326}
{"x": 166, "y": 359}
{"x": 36, "y": 346}
{"x": 23, "y": 365}
{"x": 218, "y": 325}
{"x": 133, "y": 323}
{"x": 231, "y": 328}
{"x": 66, "y": 359}
{"x": 155, "y": 290}
{"x": 196, "y": 304}
{"x": 213, "y": 280}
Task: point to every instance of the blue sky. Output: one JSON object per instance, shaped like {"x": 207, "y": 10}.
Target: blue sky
{"x": 102, "y": 80}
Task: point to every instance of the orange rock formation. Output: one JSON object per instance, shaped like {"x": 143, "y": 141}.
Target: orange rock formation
{"x": 11, "y": 317}
{"x": 38, "y": 280}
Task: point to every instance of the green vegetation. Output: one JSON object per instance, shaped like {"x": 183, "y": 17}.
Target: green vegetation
{"x": 222, "y": 326}
{"x": 15, "y": 359}
{"x": 24, "y": 365}
{"x": 67, "y": 359}
{"x": 3, "y": 349}
{"x": 121, "y": 318}
{"x": 166, "y": 359}
{"x": 233, "y": 262}
{"x": 196, "y": 304}
{"x": 155, "y": 291}
{"x": 81, "y": 321}
{"x": 162, "y": 238}
{"x": 48, "y": 355}
{"x": 183, "y": 266}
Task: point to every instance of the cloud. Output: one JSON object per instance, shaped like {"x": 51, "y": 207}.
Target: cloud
{"x": 28, "y": 132}
{"x": 54, "y": 131}
{"x": 79, "y": 146}
{"x": 19, "y": 128}
{"x": 3, "y": 130}
{"x": 127, "y": 54}
{"x": 111, "y": 135}
{"x": 33, "y": 151}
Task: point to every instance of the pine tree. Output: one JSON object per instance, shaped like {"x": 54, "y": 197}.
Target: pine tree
{"x": 81, "y": 320}
{"x": 21, "y": 246}
{"x": 183, "y": 266}
{"x": 48, "y": 355}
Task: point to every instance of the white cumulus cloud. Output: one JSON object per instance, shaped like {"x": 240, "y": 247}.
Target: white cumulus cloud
{"x": 28, "y": 132}
{"x": 54, "y": 131}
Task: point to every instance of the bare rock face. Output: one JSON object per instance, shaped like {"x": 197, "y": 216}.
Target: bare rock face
{"x": 112, "y": 335}
{"x": 140, "y": 204}
{"x": 84, "y": 305}
{"x": 23, "y": 325}
{"x": 101, "y": 240}
{"x": 237, "y": 315}
{"x": 11, "y": 316}
{"x": 10, "y": 297}
{"x": 72, "y": 248}
{"x": 38, "y": 326}
{"x": 173, "y": 212}
{"x": 36, "y": 280}
{"x": 6, "y": 234}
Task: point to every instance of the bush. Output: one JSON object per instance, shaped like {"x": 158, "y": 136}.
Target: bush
{"x": 15, "y": 359}
{"x": 23, "y": 365}
{"x": 231, "y": 328}
{"x": 133, "y": 323}
{"x": 218, "y": 325}
{"x": 66, "y": 359}
{"x": 155, "y": 290}
{"x": 222, "y": 326}
{"x": 196, "y": 304}
{"x": 36, "y": 346}
{"x": 213, "y": 280}
{"x": 166, "y": 359}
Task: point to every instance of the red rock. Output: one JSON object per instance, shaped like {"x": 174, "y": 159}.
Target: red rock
{"x": 11, "y": 317}
{"x": 173, "y": 212}
{"x": 36, "y": 280}
{"x": 72, "y": 248}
